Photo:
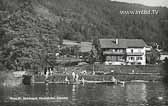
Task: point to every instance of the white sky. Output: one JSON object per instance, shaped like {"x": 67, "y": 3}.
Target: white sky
{"x": 147, "y": 2}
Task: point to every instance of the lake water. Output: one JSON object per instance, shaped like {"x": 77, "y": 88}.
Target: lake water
{"x": 132, "y": 94}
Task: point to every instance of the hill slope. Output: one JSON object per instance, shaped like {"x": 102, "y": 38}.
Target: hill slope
{"x": 84, "y": 19}
{"x": 40, "y": 21}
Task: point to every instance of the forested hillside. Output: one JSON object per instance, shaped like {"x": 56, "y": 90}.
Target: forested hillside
{"x": 30, "y": 27}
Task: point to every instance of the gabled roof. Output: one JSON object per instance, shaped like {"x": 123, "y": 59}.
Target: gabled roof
{"x": 85, "y": 46}
{"x": 70, "y": 43}
{"x": 122, "y": 43}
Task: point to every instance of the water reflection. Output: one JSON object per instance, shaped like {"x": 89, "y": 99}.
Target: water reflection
{"x": 133, "y": 94}
{"x": 46, "y": 90}
{"x": 114, "y": 94}
{"x": 74, "y": 91}
{"x": 136, "y": 92}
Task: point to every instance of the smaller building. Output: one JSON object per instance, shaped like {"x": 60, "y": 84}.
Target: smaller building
{"x": 85, "y": 47}
{"x": 163, "y": 55}
{"x": 85, "y": 50}
{"x": 69, "y": 48}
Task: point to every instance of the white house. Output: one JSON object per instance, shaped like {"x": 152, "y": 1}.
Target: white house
{"x": 123, "y": 51}
{"x": 136, "y": 55}
{"x": 163, "y": 55}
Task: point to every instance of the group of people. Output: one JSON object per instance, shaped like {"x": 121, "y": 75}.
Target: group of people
{"x": 48, "y": 72}
{"x": 75, "y": 76}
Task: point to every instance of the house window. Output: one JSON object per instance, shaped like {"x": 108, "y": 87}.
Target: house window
{"x": 131, "y": 58}
{"x": 139, "y": 58}
{"x": 132, "y": 51}
{"x": 114, "y": 58}
{"x": 115, "y": 50}
{"x": 108, "y": 58}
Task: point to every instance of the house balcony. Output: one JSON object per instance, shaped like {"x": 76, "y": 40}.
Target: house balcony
{"x": 113, "y": 53}
{"x": 135, "y": 54}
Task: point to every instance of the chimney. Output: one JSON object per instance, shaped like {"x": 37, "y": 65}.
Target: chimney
{"x": 117, "y": 41}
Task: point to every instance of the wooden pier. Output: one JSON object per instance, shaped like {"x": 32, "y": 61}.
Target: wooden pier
{"x": 80, "y": 82}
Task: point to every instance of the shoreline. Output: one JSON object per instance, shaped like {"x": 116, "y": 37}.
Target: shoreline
{"x": 127, "y": 78}
{"x": 102, "y": 72}
{"x": 122, "y": 73}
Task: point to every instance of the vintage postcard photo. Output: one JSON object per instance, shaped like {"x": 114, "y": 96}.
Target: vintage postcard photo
{"x": 83, "y": 52}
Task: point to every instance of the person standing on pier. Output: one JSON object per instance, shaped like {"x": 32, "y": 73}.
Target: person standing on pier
{"x": 47, "y": 74}
{"x": 114, "y": 79}
{"x": 77, "y": 77}
{"x": 73, "y": 76}
{"x": 66, "y": 80}
{"x": 83, "y": 81}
